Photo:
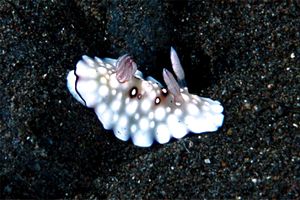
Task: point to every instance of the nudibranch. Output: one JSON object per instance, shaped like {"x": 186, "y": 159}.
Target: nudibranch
{"x": 142, "y": 109}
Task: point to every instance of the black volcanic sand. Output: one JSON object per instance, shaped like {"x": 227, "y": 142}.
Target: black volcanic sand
{"x": 244, "y": 55}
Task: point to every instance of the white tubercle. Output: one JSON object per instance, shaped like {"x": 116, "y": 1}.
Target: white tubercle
{"x": 141, "y": 109}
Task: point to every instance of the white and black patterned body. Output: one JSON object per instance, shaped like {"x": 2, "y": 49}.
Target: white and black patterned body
{"x": 141, "y": 109}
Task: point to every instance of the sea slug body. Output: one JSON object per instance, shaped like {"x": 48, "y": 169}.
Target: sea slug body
{"x": 138, "y": 108}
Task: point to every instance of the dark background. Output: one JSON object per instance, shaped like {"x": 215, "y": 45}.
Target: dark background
{"x": 246, "y": 55}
